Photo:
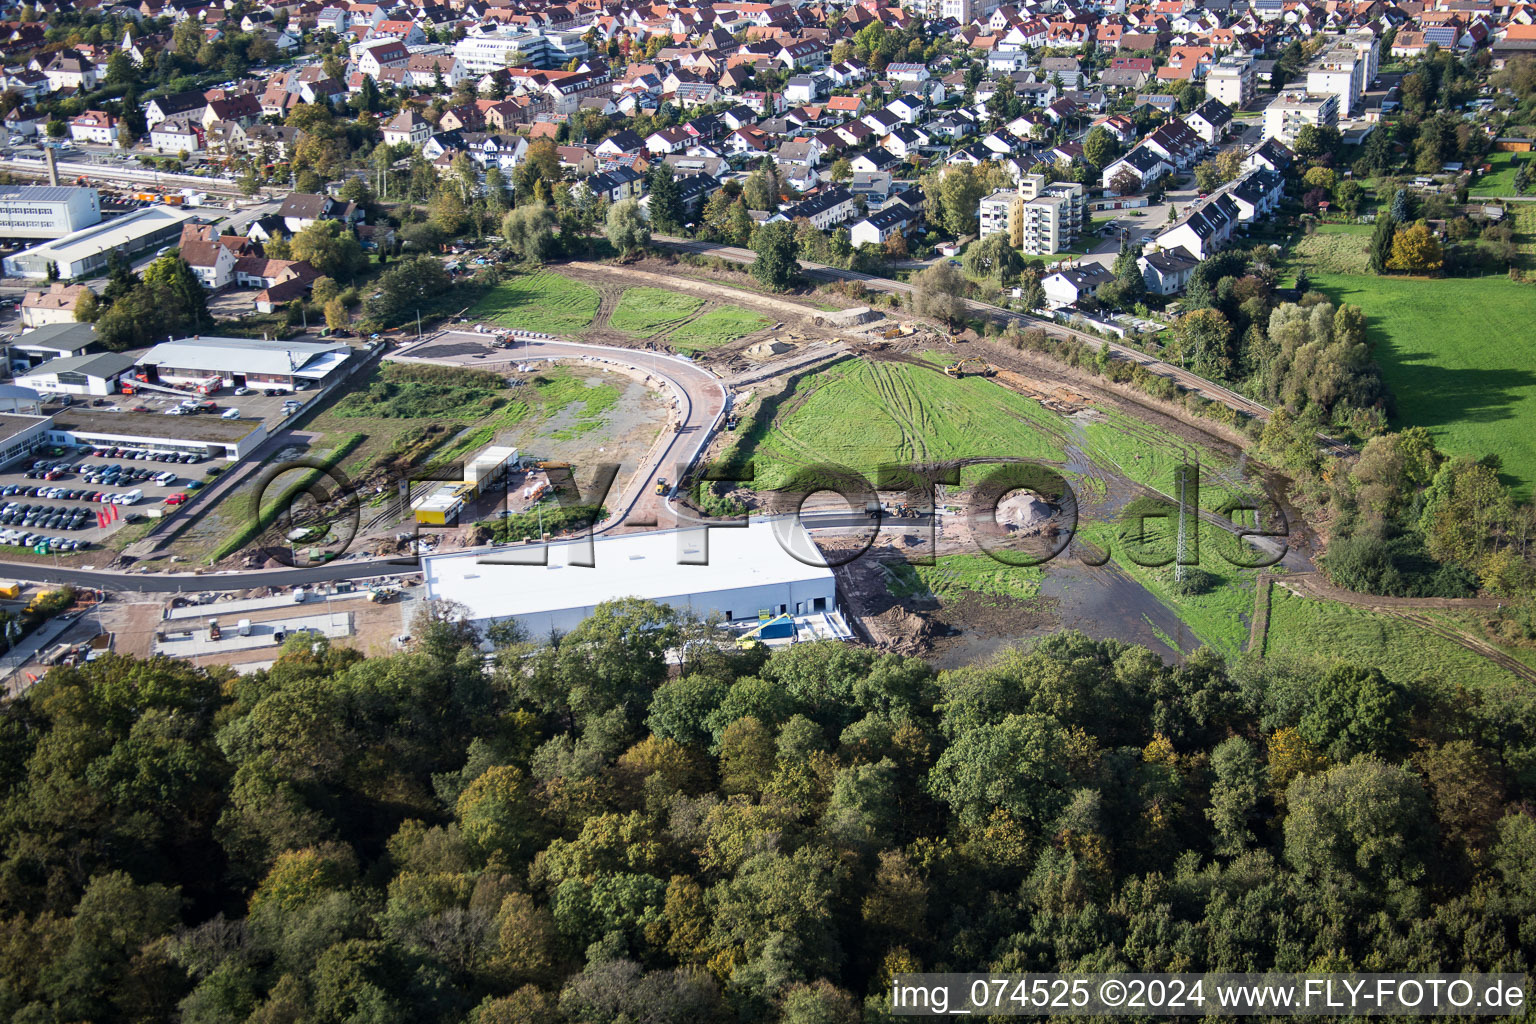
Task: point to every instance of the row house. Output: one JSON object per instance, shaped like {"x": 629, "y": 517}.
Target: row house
{"x": 827, "y": 209}
{"x": 1204, "y": 229}
{"x": 616, "y": 185}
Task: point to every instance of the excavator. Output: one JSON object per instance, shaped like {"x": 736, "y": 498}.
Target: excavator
{"x": 970, "y": 365}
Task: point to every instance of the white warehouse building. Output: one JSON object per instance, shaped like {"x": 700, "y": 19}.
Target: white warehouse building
{"x": 85, "y": 251}
{"x": 749, "y": 572}
{"x": 47, "y": 211}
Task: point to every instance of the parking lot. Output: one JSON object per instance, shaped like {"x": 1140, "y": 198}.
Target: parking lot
{"x": 52, "y": 502}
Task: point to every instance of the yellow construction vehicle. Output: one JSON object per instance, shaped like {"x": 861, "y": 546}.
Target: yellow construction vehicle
{"x": 661, "y": 485}
{"x": 970, "y": 365}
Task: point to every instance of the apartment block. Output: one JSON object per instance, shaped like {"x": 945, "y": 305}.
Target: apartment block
{"x": 1232, "y": 81}
{"x": 1039, "y": 218}
{"x": 1295, "y": 108}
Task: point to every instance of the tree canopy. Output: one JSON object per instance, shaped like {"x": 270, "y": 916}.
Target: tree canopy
{"x": 587, "y": 831}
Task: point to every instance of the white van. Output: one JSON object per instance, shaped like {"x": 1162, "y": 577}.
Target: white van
{"x": 130, "y": 497}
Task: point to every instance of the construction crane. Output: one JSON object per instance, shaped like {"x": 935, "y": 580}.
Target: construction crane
{"x": 971, "y": 365}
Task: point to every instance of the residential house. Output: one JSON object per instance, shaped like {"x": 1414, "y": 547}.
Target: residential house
{"x": 95, "y": 126}
{"x": 1166, "y": 271}
{"x": 618, "y": 184}
{"x": 1066, "y": 286}
{"x": 826, "y": 209}
{"x": 408, "y": 126}
{"x": 56, "y": 305}
{"x": 162, "y": 108}
{"x": 301, "y": 209}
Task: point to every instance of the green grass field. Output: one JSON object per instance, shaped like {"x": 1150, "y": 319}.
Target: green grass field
{"x": 1459, "y": 356}
{"x": 862, "y": 414}
{"x": 1219, "y": 615}
{"x": 952, "y": 575}
{"x": 1152, "y": 458}
{"x": 1303, "y": 627}
{"x": 717, "y": 327}
{"x": 1501, "y": 180}
{"x": 645, "y": 311}
{"x": 542, "y": 301}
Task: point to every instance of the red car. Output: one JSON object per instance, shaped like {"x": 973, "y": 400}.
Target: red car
{"x": 177, "y": 498}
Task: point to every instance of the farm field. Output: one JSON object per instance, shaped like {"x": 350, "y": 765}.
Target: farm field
{"x": 903, "y": 414}
{"x": 544, "y": 301}
{"x": 646, "y": 311}
{"x": 1459, "y": 357}
{"x": 1304, "y": 627}
{"x": 717, "y": 327}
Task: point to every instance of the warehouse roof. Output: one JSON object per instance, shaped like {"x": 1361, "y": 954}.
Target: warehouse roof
{"x": 248, "y": 355}
{"x": 641, "y": 565}
{"x": 150, "y": 425}
{"x": 59, "y": 337}
{"x": 39, "y": 193}
{"x": 110, "y": 234}
{"x": 100, "y": 364}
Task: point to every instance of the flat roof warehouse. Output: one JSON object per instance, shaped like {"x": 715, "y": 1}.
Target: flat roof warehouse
{"x": 86, "y": 250}
{"x": 748, "y": 571}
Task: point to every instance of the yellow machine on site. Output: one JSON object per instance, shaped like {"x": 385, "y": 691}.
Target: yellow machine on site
{"x": 970, "y": 365}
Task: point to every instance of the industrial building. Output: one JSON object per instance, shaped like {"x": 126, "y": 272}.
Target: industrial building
{"x": 21, "y": 435}
{"x": 92, "y": 374}
{"x": 52, "y": 341}
{"x": 243, "y": 362}
{"x": 47, "y": 211}
{"x": 209, "y": 436}
{"x": 85, "y": 252}
{"x": 441, "y": 505}
{"x": 749, "y": 571}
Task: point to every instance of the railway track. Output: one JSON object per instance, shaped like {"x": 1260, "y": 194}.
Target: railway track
{"x": 1187, "y": 380}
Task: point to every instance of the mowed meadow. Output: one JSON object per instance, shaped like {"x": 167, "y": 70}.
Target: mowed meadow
{"x": 1459, "y": 353}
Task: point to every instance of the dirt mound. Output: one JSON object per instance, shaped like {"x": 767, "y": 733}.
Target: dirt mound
{"x": 903, "y": 631}
{"x": 768, "y": 349}
{"x": 1023, "y": 512}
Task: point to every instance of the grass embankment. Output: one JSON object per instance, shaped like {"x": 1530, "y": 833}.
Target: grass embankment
{"x": 644, "y": 312}
{"x": 953, "y": 575}
{"x": 543, "y": 302}
{"x": 254, "y": 521}
{"x": 1304, "y": 627}
{"x": 550, "y": 518}
{"x": 1152, "y": 458}
{"x": 862, "y": 415}
{"x": 717, "y": 327}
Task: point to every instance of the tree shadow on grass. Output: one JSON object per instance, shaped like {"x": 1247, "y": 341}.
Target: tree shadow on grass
{"x": 1429, "y": 395}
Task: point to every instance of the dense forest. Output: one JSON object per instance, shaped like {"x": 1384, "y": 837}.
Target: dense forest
{"x": 578, "y": 831}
